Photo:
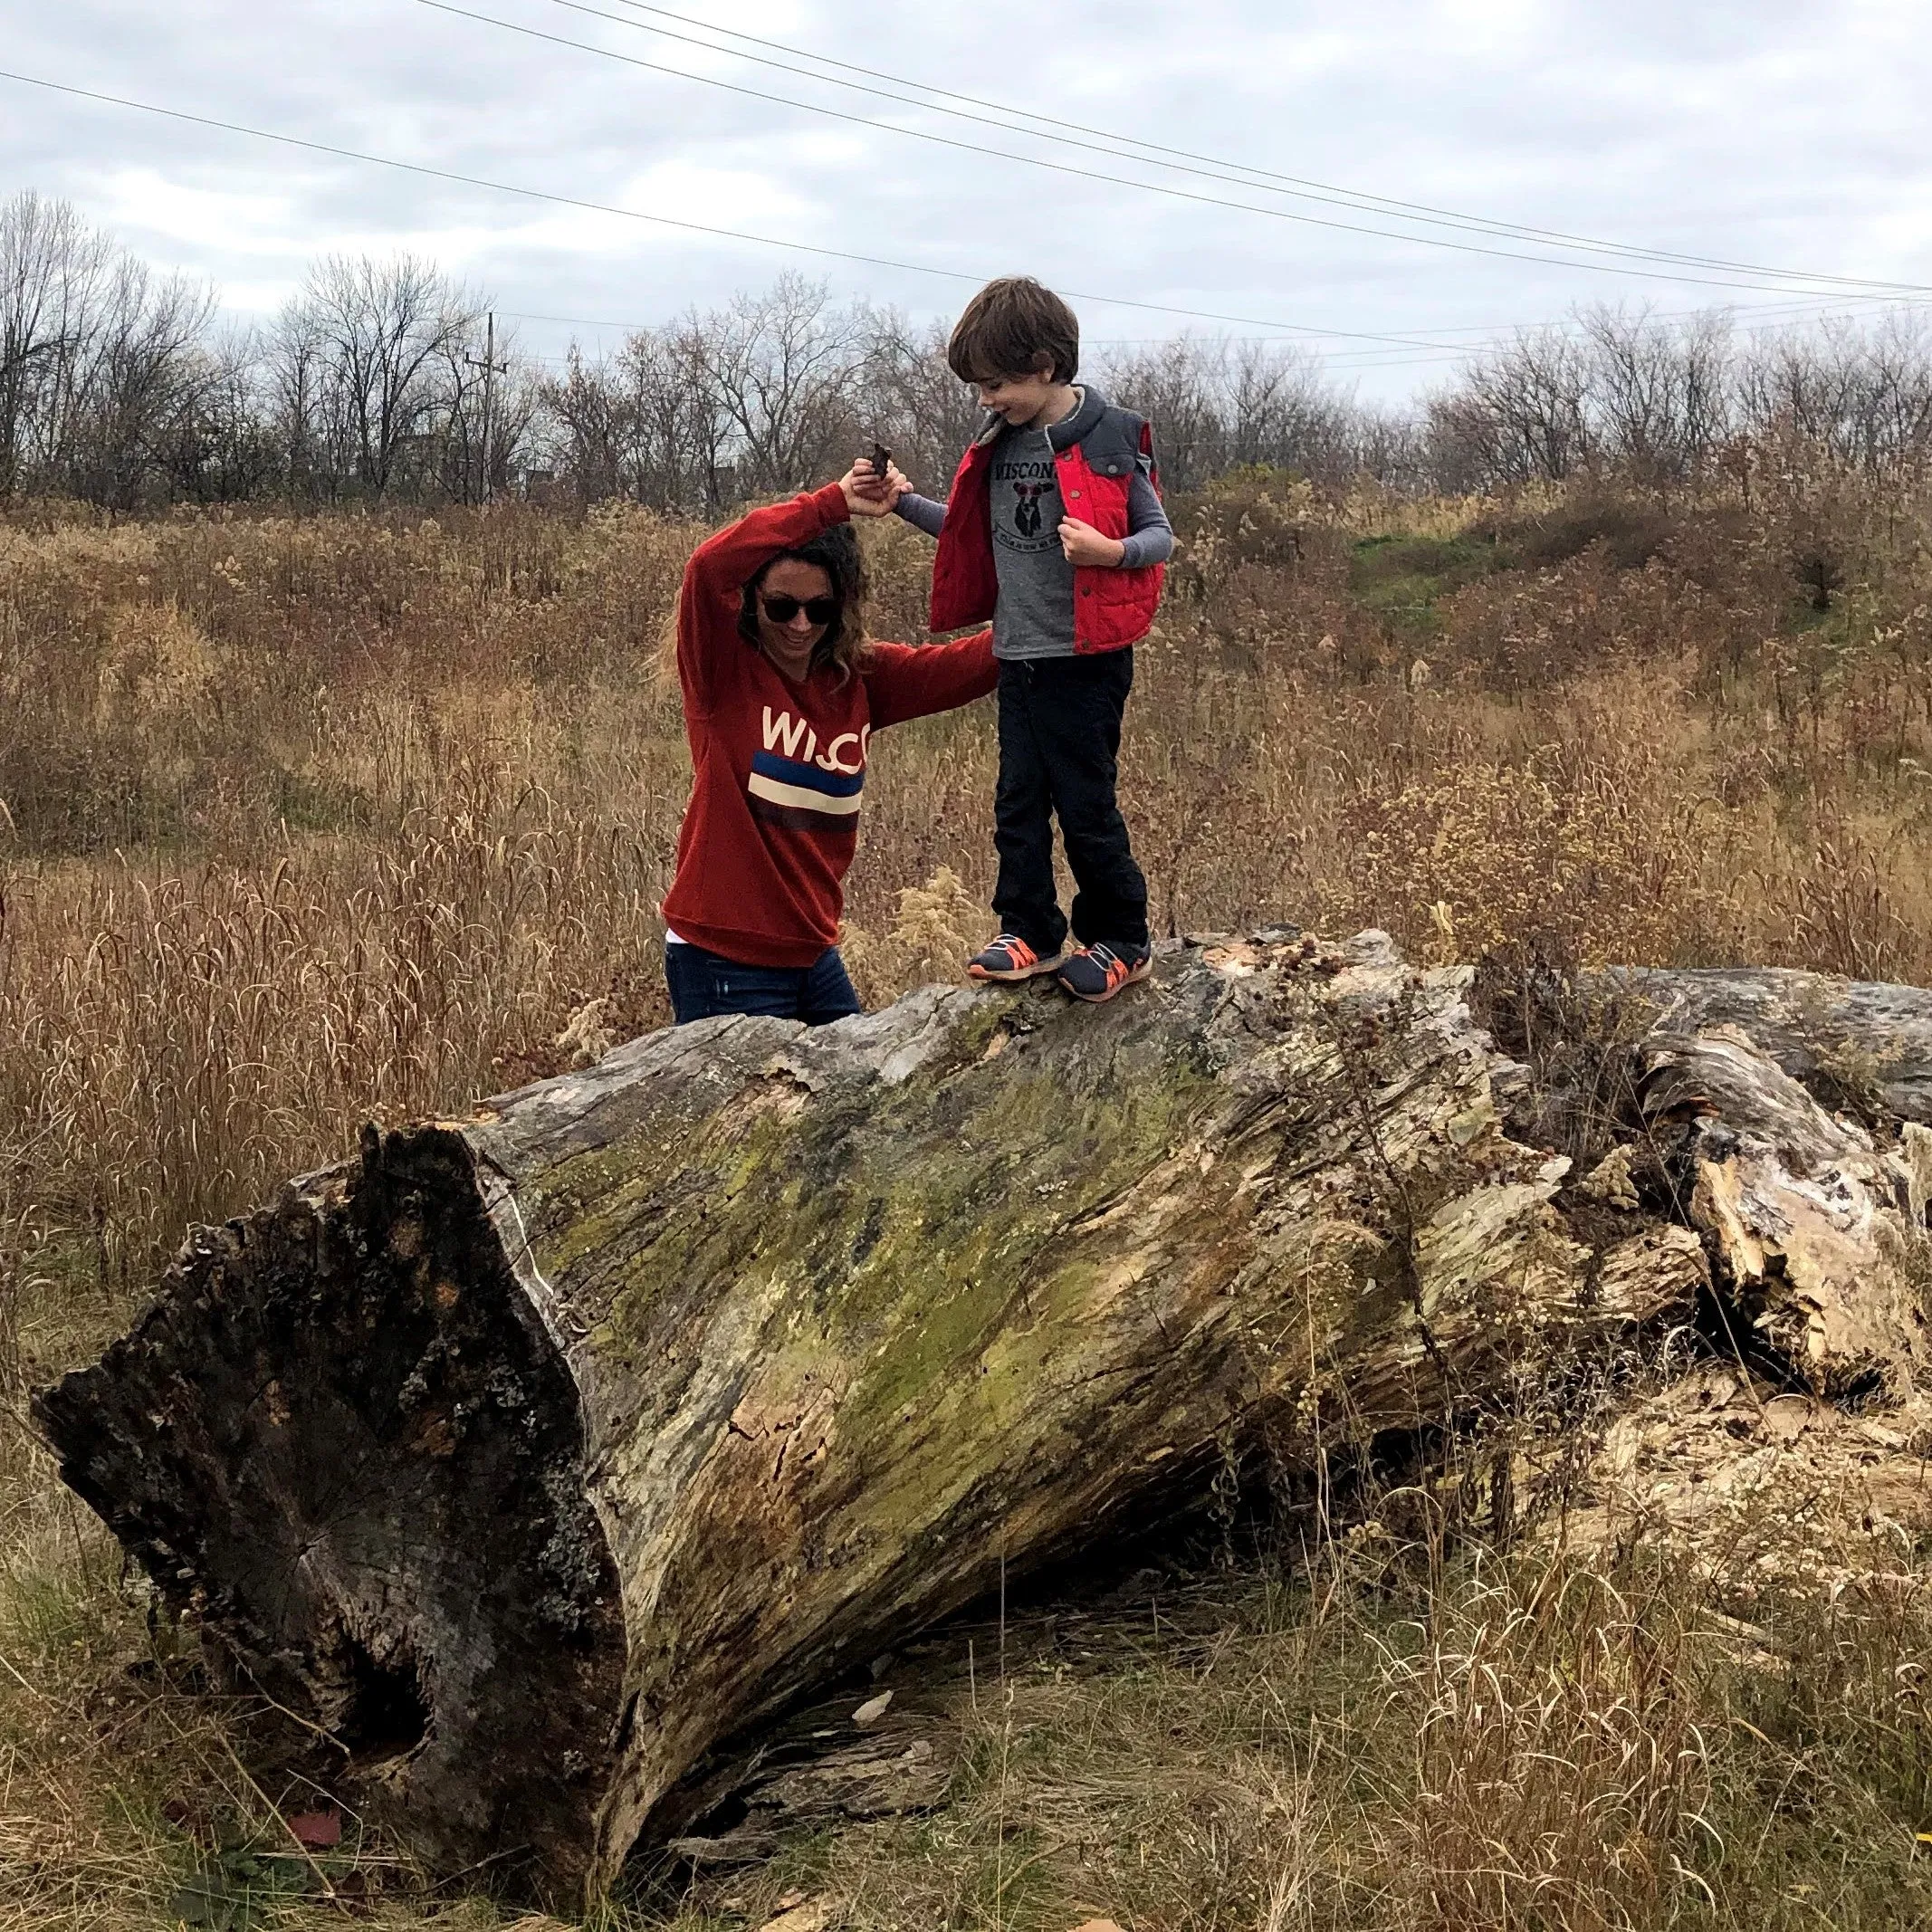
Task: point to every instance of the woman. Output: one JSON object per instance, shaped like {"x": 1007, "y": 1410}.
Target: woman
{"x": 783, "y": 691}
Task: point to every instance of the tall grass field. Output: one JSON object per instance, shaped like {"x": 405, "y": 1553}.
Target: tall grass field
{"x": 310, "y": 818}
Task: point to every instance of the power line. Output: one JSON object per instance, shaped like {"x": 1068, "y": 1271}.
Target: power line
{"x": 1295, "y": 331}
{"x": 1116, "y": 145}
{"x": 1383, "y": 359}
{"x": 1794, "y": 310}
{"x": 666, "y": 221}
{"x": 1376, "y": 359}
{"x": 1088, "y": 174}
{"x": 1811, "y": 306}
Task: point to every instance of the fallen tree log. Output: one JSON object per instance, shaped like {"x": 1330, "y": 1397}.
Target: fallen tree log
{"x": 1843, "y": 1039}
{"x": 532, "y": 1455}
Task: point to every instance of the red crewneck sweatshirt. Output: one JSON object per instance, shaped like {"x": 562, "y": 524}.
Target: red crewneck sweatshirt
{"x": 778, "y": 769}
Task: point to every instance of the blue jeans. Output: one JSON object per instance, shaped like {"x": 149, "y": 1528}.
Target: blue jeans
{"x": 703, "y": 984}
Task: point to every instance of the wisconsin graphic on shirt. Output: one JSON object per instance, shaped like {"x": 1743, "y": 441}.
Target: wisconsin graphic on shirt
{"x": 1026, "y": 497}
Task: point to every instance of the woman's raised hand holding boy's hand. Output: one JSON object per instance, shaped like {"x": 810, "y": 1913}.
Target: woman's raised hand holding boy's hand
{"x": 869, "y": 495}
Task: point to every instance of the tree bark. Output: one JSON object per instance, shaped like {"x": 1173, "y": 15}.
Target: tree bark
{"x": 535, "y": 1454}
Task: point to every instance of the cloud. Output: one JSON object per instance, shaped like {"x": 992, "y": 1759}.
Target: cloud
{"x": 1778, "y": 131}
{"x": 145, "y": 198}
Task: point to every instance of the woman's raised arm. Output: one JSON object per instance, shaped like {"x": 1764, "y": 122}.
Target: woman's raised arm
{"x": 721, "y": 565}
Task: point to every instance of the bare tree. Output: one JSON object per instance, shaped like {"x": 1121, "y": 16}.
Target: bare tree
{"x": 1661, "y": 400}
{"x": 221, "y": 445}
{"x": 1172, "y": 384}
{"x": 138, "y": 371}
{"x": 490, "y": 396}
{"x": 1864, "y": 394}
{"x": 591, "y": 432}
{"x": 51, "y": 270}
{"x": 99, "y": 357}
{"x": 1658, "y": 398}
{"x": 1515, "y": 416}
{"x": 1897, "y": 415}
{"x": 763, "y": 396}
{"x": 643, "y": 423}
{"x": 1220, "y": 404}
{"x": 116, "y": 387}
{"x": 775, "y": 365}
{"x": 906, "y": 395}
{"x": 1391, "y": 445}
{"x": 367, "y": 348}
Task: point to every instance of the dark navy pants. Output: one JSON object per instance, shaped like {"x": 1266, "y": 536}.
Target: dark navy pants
{"x": 703, "y": 984}
{"x": 1059, "y": 751}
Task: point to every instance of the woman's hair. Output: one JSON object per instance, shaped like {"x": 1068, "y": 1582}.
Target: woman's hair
{"x": 836, "y": 551}
{"x": 1009, "y": 327}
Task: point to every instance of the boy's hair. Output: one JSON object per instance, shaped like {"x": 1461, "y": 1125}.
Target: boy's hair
{"x": 1009, "y": 327}
{"x": 836, "y": 551}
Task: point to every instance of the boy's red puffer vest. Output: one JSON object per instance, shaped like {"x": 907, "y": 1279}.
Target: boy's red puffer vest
{"x": 1111, "y": 608}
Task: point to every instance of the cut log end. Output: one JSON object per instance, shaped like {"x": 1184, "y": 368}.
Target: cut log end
{"x": 343, "y": 1440}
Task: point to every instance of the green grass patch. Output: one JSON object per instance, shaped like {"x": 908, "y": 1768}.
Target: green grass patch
{"x": 1402, "y": 579}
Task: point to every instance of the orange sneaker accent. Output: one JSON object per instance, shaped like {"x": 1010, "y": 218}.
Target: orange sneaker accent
{"x": 1009, "y": 958}
{"x": 1114, "y": 973}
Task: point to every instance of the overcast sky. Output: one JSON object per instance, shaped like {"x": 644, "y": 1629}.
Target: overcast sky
{"x": 1788, "y": 133}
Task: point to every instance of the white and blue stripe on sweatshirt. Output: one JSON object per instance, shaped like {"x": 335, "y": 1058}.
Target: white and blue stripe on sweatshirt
{"x": 807, "y": 797}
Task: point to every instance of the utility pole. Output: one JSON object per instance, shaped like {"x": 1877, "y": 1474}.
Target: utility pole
{"x": 491, "y": 369}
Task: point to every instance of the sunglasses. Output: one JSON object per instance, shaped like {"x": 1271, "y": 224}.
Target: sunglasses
{"x": 783, "y": 610}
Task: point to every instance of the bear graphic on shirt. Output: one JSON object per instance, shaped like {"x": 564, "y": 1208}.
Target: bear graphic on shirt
{"x": 1027, "y": 511}
{"x": 1026, "y": 524}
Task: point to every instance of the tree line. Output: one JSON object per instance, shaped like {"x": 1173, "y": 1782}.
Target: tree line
{"x": 384, "y": 380}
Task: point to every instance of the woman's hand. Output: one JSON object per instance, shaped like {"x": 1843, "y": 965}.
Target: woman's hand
{"x": 1085, "y": 544}
{"x": 867, "y": 493}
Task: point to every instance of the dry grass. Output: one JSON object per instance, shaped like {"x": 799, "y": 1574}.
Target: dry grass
{"x": 1529, "y": 1745}
{"x": 307, "y": 820}
{"x": 1399, "y": 1731}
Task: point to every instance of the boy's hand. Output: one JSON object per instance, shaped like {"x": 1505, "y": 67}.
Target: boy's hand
{"x": 1085, "y": 544}
{"x": 869, "y": 495}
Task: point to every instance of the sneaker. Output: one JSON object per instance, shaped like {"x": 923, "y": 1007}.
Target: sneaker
{"x": 1097, "y": 972}
{"x": 1008, "y": 957}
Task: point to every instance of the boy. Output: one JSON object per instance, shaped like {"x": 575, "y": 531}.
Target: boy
{"x": 1054, "y": 529}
